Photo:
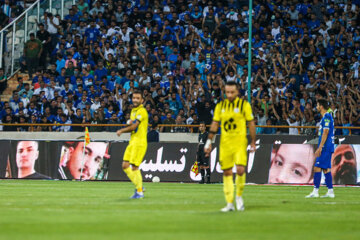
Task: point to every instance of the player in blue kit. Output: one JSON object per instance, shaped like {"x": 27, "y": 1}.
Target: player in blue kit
{"x": 324, "y": 151}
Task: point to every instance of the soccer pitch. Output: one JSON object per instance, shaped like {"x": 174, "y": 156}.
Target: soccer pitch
{"x": 103, "y": 210}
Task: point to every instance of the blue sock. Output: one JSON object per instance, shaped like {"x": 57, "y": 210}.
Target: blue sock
{"x": 328, "y": 180}
{"x": 317, "y": 179}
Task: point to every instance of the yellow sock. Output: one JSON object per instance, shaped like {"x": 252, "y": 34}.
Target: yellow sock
{"x": 138, "y": 181}
{"x": 229, "y": 188}
{"x": 131, "y": 175}
{"x": 240, "y": 184}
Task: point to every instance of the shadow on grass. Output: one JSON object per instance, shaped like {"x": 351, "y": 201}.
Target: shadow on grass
{"x": 128, "y": 199}
{"x": 248, "y": 208}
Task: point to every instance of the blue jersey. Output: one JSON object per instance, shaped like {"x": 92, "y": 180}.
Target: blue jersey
{"x": 327, "y": 122}
{"x": 91, "y": 34}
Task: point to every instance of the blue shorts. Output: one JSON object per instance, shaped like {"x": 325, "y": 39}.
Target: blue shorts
{"x": 324, "y": 161}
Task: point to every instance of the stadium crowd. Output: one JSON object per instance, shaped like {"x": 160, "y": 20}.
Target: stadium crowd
{"x": 10, "y": 9}
{"x": 181, "y": 53}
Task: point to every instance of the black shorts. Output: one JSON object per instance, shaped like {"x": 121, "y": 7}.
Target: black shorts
{"x": 202, "y": 160}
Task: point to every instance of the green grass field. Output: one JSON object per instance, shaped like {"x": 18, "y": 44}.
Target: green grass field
{"x": 102, "y": 210}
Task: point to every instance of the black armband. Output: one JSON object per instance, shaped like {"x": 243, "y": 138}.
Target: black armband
{"x": 213, "y": 132}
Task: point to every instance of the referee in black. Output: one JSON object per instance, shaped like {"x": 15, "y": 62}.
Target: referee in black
{"x": 202, "y": 160}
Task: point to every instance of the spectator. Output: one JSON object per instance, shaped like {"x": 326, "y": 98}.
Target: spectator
{"x": 293, "y": 121}
{"x": 6, "y": 8}
{"x": 346, "y": 120}
{"x": 4, "y": 19}
{"x": 45, "y": 38}
{"x": 183, "y": 55}
{"x": 170, "y": 121}
{"x": 261, "y": 118}
{"x": 77, "y": 118}
{"x": 82, "y": 6}
{"x": 97, "y": 119}
{"x": 32, "y": 52}
{"x": 64, "y": 120}
{"x": 22, "y": 119}
{"x": 308, "y": 120}
{"x": 153, "y": 134}
{"x": 205, "y": 112}
{"x": 14, "y": 101}
{"x": 269, "y": 130}
{"x": 3, "y": 80}
{"x": 52, "y": 25}
{"x": 179, "y": 121}
{"x": 113, "y": 120}
{"x": 9, "y": 119}
{"x": 196, "y": 122}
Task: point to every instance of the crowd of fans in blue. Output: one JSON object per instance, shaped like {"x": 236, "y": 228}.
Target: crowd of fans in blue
{"x": 181, "y": 53}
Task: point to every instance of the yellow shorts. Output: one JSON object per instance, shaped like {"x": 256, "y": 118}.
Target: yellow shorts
{"x": 229, "y": 156}
{"x": 135, "y": 154}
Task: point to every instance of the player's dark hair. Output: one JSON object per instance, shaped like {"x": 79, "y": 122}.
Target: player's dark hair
{"x": 233, "y": 84}
{"x": 323, "y": 103}
{"x": 202, "y": 122}
{"x": 138, "y": 91}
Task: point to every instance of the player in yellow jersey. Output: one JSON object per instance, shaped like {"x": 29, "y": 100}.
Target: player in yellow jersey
{"x": 135, "y": 151}
{"x": 232, "y": 113}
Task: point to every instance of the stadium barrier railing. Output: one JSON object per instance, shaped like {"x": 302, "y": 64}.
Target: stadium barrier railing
{"x": 191, "y": 127}
{"x": 14, "y": 35}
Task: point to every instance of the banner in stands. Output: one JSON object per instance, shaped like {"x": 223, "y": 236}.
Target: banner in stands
{"x": 278, "y": 159}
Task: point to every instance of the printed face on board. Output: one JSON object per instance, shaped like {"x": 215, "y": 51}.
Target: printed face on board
{"x": 292, "y": 163}
{"x": 84, "y": 163}
{"x": 26, "y": 154}
{"x": 343, "y": 163}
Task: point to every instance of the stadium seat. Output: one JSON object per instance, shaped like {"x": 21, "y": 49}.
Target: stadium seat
{"x": 32, "y": 19}
{"x": 20, "y": 48}
{"x": 42, "y": 10}
{"x": 53, "y": 11}
{"x": 17, "y": 54}
{"x": 20, "y": 33}
{"x": 66, "y": 11}
{"x": 31, "y": 27}
{"x": 17, "y": 41}
{"x": 56, "y": 4}
{"x": 68, "y": 5}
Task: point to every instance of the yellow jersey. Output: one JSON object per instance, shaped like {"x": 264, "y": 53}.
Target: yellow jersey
{"x": 233, "y": 117}
{"x": 139, "y": 135}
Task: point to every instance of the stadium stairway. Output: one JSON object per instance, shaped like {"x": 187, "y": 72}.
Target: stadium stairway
{"x": 12, "y": 84}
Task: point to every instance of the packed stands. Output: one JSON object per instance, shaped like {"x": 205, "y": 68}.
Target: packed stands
{"x": 84, "y": 67}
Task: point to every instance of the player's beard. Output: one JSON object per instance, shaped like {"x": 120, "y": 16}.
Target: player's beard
{"x": 346, "y": 175}
{"x": 232, "y": 100}
{"x": 136, "y": 104}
